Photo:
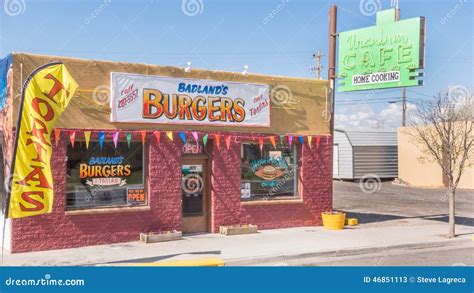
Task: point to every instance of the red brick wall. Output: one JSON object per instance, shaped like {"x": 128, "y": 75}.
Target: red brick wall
{"x": 58, "y": 230}
{"x": 316, "y": 191}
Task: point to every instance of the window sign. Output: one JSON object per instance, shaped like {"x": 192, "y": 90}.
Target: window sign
{"x": 105, "y": 177}
{"x": 386, "y": 55}
{"x": 268, "y": 173}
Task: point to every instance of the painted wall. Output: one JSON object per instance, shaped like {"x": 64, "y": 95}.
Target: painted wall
{"x": 297, "y": 109}
{"x": 416, "y": 170}
{"x": 61, "y": 229}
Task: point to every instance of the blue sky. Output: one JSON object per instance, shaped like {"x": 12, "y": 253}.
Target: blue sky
{"x": 271, "y": 37}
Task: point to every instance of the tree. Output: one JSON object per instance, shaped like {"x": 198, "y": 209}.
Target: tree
{"x": 443, "y": 129}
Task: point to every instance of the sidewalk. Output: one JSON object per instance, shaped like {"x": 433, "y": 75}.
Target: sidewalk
{"x": 252, "y": 249}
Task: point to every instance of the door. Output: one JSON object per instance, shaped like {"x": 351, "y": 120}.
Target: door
{"x": 335, "y": 162}
{"x": 194, "y": 190}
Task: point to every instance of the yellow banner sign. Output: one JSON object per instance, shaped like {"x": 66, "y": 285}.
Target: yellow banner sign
{"x": 46, "y": 95}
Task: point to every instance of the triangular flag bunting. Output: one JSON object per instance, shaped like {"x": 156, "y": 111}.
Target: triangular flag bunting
{"x": 272, "y": 140}
{"x": 218, "y": 140}
{"x": 157, "y": 136}
{"x": 204, "y": 140}
{"x": 260, "y": 143}
{"x": 301, "y": 139}
{"x": 282, "y": 139}
{"x": 227, "y": 141}
{"x": 87, "y": 138}
{"x": 169, "y": 134}
{"x": 143, "y": 135}
{"x": 310, "y": 139}
{"x": 72, "y": 137}
{"x": 290, "y": 140}
{"x": 318, "y": 140}
{"x": 115, "y": 138}
{"x": 57, "y": 131}
{"x": 182, "y": 136}
{"x": 196, "y": 137}
{"x": 101, "y": 139}
{"x": 129, "y": 138}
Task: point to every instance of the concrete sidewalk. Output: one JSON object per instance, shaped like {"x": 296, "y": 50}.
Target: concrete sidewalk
{"x": 267, "y": 246}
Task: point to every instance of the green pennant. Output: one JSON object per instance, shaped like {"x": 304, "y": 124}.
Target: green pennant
{"x": 204, "y": 140}
{"x": 129, "y": 139}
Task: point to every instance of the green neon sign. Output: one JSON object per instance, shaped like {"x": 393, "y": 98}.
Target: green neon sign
{"x": 386, "y": 55}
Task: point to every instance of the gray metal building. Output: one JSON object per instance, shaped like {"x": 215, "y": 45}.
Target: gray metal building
{"x": 359, "y": 153}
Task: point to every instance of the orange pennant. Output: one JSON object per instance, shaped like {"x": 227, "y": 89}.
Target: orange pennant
{"x": 318, "y": 140}
{"x": 260, "y": 143}
{"x": 157, "y": 136}
{"x": 57, "y": 131}
{"x": 272, "y": 140}
{"x": 143, "y": 134}
{"x": 218, "y": 140}
{"x": 227, "y": 142}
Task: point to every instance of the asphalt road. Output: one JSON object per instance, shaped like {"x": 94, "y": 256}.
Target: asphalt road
{"x": 392, "y": 204}
{"x": 442, "y": 256}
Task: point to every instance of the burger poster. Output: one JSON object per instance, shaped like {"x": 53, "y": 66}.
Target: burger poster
{"x": 139, "y": 98}
{"x": 94, "y": 173}
{"x": 266, "y": 174}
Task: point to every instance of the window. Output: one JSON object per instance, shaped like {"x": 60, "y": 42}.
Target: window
{"x": 269, "y": 173}
{"x": 105, "y": 177}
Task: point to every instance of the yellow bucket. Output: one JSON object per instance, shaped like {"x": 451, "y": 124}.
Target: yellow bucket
{"x": 333, "y": 220}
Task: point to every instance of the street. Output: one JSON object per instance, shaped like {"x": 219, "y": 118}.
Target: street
{"x": 399, "y": 205}
{"x": 442, "y": 256}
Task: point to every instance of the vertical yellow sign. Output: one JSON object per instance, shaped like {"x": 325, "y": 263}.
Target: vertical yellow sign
{"x": 46, "y": 94}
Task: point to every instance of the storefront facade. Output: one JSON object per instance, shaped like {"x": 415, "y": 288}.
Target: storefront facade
{"x": 116, "y": 178}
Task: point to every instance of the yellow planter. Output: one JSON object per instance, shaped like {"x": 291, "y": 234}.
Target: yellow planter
{"x": 333, "y": 220}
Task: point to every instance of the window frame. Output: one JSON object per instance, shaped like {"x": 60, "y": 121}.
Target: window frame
{"x": 112, "y": 208}
{"x": 295, "y": 198}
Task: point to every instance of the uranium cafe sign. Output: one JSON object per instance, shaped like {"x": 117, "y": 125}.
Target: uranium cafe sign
{"x": 386, "y": 55}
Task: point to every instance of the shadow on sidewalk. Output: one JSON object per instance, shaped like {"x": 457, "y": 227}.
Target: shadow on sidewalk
{"x": 366, "y": 218}
{"x": 158, "y": 258}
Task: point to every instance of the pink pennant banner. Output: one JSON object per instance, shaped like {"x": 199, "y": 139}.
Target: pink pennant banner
{"x": 115, "y": 137}
{"x": 196, "y": 137}
{"x": 72, "y": 137}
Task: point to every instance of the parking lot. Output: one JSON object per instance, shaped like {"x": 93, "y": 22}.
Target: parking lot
{"x": 392, "y": 204}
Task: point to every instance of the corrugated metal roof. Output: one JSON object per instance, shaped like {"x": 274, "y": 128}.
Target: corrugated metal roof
{"x": 370, "y": 137}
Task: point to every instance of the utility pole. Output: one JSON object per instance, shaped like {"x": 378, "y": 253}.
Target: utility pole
{"x": 404, "y": 90}
{"x": 318, "y": 56}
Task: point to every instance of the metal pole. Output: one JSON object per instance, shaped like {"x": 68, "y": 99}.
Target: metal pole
{"x": 404, "y": 107}
{"x": 332, "y": 59}
{"x": 404, "y": 90}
